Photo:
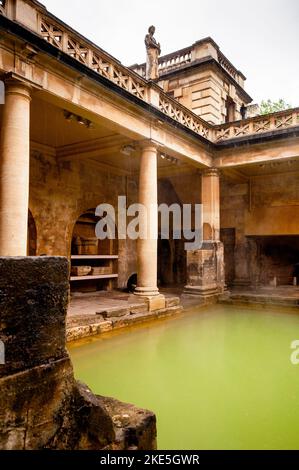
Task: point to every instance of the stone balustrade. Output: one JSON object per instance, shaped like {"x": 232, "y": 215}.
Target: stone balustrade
{"x": 35, "y": 16}
{"x": 169, "y": 62}
{"x": 258, "y": 125}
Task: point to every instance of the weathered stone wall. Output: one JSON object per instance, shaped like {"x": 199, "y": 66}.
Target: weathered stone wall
{"x": 41, "y": 404}
{"x": 274, "y": 205}
{"x": 204, "y": 92}
{"x": 62, "y": 191}
{"x": 265, "y": 206}
{"x": 233, "y": 208}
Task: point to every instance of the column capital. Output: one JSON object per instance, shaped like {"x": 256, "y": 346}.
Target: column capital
{"x": 211, "y": 172}
{"x": 148, "y": 144}
{"x": 17, "y": 84}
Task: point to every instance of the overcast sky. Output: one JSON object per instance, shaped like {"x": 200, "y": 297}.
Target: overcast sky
{"x": 260, "y": 37}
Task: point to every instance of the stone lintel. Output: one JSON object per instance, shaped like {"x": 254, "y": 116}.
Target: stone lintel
{"x": 150, "y": 144}
{"x": 13, "y": 78}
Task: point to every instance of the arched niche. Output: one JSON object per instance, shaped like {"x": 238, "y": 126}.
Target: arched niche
{"x": 84, "y": 230}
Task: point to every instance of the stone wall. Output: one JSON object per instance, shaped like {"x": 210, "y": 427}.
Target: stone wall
{"x": 264, "y": 206}
{"x": 233, "y": 209}
{"x": 41, "y": 404}
{"x": 62, "y": 191}
{"x": 205, "y": 92}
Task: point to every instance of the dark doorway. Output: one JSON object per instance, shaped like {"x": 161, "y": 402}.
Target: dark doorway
{"x": 32, "y": 236}
{"x": 274, "y": 259}
{"x": 228, "y": 238}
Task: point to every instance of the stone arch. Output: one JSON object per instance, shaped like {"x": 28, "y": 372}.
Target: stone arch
{"x": 131, "y": 282}
{"x": 84, "y": 227}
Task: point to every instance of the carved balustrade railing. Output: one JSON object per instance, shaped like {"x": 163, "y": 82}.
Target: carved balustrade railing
{"x": 91, "y": 56}
{"x": 187, "y": 118}
{"x": 258, "y": 125}
{"x": 109, "y": 68}
{"x": 173, "y": 61}
{"x": 168, "y": 62}
{"x": 72, "y": 43}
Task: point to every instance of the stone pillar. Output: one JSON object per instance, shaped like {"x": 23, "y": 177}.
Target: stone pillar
{"x": 14, "y": 169}
{"x": 210, "y": 199}
{"x": 147, "y": 248}
{"x": 205, "y": 267}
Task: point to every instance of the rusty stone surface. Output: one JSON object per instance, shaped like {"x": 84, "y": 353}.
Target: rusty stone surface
{"x": 138, "y": 430}
{"x": 33, "y": 303}
{"x": 205, "y": 270}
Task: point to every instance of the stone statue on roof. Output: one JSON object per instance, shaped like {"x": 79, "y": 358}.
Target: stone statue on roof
{"x": 153, "y": 50}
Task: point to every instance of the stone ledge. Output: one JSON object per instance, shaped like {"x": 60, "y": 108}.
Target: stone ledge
{"x": 246, "y": 299}
{"x": 74, "y": 333}
{"x": 114, "y": 312}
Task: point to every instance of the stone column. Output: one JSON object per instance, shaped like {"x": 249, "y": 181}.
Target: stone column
{"x": 14, "y": 169}
{"x": 147, "y": 248}
{"x": 205, "y": 267}
{"x": 210, "y": 199}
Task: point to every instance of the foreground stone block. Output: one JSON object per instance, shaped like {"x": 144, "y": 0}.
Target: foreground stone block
{"x": 33, "y": 302}
{"x": 138, "y": 308}
{"x": 41, "y": 404}
{"x": 156, "y": 302}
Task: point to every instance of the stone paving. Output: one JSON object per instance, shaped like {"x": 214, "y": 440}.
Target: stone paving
{"x": 99, "y": 312}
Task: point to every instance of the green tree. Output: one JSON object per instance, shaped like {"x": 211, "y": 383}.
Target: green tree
{"x": 269, "y": 106}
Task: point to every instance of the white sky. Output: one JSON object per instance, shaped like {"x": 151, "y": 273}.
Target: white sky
{"x": 260, "y": 37}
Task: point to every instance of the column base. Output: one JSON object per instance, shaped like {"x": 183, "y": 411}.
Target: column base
{"x": 146, "y": 291}
{"x": 154, "y": 301}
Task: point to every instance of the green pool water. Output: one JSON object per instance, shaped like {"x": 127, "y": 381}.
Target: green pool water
{"x": 218, "y": 378}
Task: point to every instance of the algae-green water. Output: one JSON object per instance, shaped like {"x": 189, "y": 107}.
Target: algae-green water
{"x": 218, "y": 378}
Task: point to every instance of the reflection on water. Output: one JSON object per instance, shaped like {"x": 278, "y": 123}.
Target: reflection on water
{"x": 218, "y": 378}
